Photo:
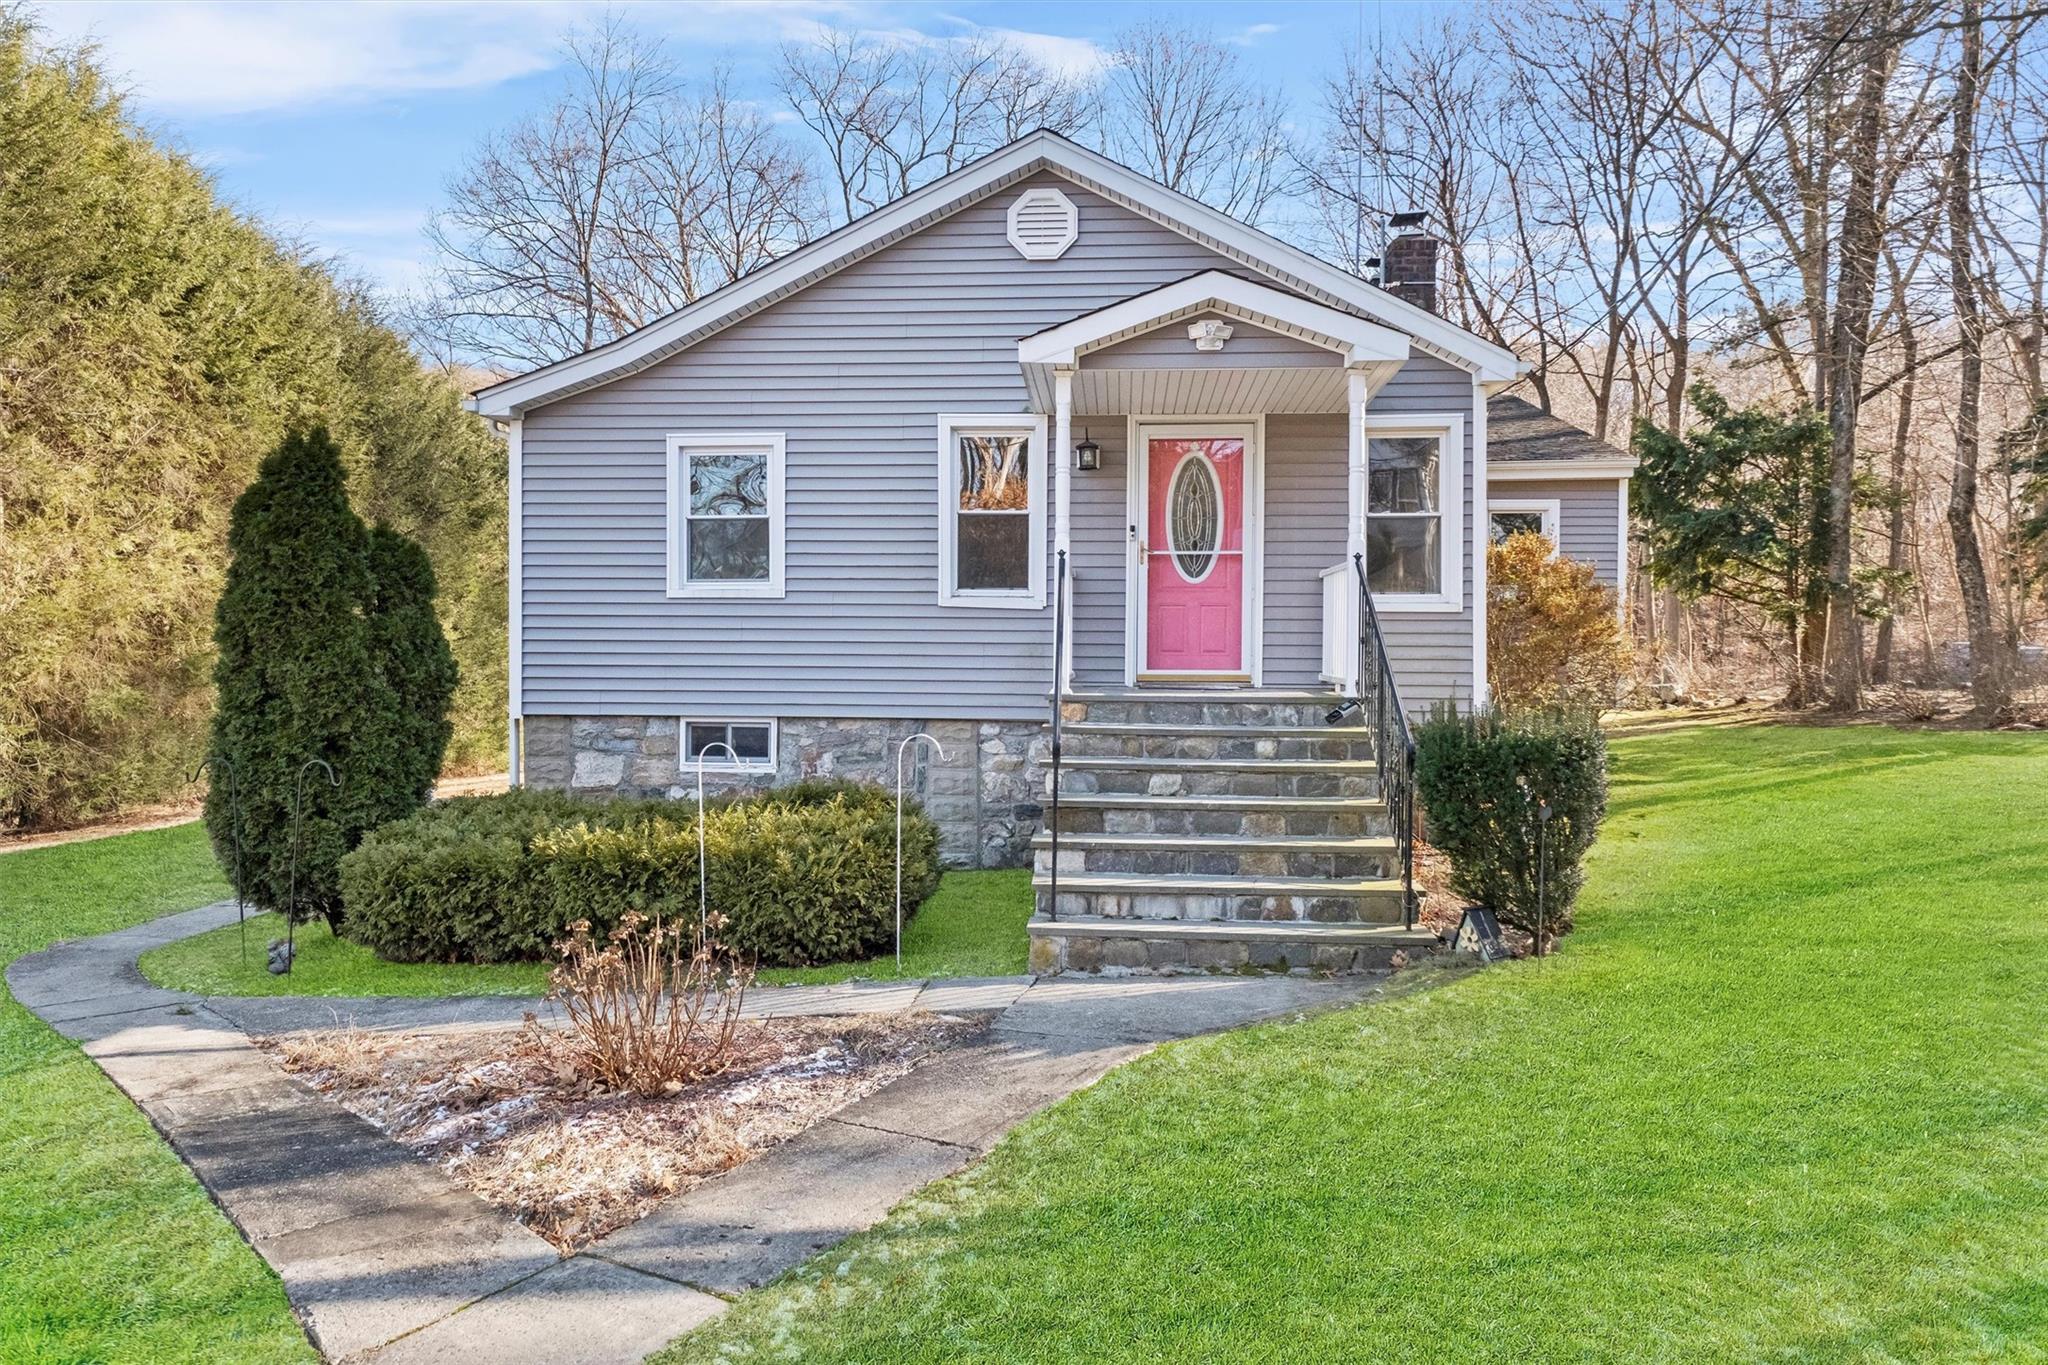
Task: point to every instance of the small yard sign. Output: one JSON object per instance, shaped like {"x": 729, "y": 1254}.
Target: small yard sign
{"x": 1479, "y": 934}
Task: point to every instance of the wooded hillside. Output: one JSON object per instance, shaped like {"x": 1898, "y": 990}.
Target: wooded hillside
{"x": 154, "y": 344}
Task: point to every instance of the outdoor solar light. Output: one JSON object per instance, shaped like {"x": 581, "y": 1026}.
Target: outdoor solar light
{"x": 1479, "y": 934}
{"x": 1087, "y": 455}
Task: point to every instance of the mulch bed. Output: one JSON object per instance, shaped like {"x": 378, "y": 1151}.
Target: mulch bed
{"x": 507, "y": 1113}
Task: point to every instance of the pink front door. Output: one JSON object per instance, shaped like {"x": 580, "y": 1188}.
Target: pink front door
{"x": 1194, "y": 555}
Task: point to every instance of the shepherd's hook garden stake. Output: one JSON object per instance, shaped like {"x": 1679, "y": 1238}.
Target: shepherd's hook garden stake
{"x": 901, "y": 749}
{"x": 220, "y": 764}
{"x": 291, "y": 902}
{"x": 703, "y": 868}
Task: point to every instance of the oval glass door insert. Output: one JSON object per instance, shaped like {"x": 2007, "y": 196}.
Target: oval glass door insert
{"x": 1195, "y": 517}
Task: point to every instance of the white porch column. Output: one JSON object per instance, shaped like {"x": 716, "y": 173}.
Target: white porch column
{"x": 1354, "y": 539}
{"x": 1063, "y": 460}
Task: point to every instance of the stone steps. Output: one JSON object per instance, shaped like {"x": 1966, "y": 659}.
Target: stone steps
{"x": 1091, "y": 739}
{"x": 1234, "y": 897}
{"x": 1362, "y": 767}
{"x": 1217, "y": 829}
{"x": 1111, "y": 774}
{"x": 1210, "y": 855}
{"x": 1199, "y": 706}
{"x": 1198, "y": 815}
{"x": 1097, "y": 944}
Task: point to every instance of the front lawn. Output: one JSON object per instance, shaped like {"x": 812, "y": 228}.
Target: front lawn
{"x": 109, "y": 1250}
{"x": 973, "y": 925}
{"x": 1783, "y": 1097}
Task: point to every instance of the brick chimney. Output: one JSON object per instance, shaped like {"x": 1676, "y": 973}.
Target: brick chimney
{"x": 1409, "y": 271}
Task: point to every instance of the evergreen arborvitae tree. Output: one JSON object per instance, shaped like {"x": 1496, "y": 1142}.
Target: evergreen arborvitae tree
{"x": 414, "y": 657}
{"x": 300, "y": 677}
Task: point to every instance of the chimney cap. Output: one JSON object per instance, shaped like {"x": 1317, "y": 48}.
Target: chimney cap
{"x": 1413, "y": 218}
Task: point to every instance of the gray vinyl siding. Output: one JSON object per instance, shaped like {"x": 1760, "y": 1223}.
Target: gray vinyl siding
{"x": 1101, "y": 530}
{"x": 1588, "y": 511}
{"x": 1306, "y": 519}
{"x": 854, "y": 371}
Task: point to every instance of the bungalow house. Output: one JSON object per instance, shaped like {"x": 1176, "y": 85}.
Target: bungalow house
{"x": 1044, "y": 438}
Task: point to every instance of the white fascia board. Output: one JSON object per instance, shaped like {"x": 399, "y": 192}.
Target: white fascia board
{"x": 513, "y": 397}
{"x": 1364, "y": 342}
{"x": 1530, "y": 471}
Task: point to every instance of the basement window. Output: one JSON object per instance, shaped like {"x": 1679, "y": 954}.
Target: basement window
{"x": 752, "y": 740}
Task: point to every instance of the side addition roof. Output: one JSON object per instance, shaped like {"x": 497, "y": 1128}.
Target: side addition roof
{"x": 1523, "y": 441}
{"x": 1292, "y": 268}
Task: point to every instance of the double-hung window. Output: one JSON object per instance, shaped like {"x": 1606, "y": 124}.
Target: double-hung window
{"x": 992, "y": 476}
{"x": 725, "y": 514}
{"x": 1412, "y": 505}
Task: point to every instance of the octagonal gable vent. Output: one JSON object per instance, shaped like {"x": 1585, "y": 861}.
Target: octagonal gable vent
{"x": 1043, "y": 224}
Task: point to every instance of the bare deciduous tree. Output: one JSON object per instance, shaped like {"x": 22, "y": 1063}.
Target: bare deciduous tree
{"x": 625, "y": 199}
{"x": 894, "y": 114}
{"x": 1187, "y": 110}
{"x": 1989, "y": 678}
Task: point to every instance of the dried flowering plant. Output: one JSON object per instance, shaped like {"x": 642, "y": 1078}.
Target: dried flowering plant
{"x": 652, "y": 1007}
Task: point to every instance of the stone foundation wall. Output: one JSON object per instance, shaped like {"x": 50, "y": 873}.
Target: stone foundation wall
{"x": 986, "y": 794}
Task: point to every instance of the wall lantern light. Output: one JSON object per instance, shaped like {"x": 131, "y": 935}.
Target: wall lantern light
{"x": 1087, "y": 455}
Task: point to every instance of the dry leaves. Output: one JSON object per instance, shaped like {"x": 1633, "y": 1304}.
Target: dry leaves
{"x": 509, "y": 1113}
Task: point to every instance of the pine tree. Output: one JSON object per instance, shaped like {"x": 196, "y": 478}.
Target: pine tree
{"x": 300, "y": 676}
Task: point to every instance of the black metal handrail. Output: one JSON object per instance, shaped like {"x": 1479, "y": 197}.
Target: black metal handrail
{"x": 1059, "y": 683}
{"x": 1393, "y": 746}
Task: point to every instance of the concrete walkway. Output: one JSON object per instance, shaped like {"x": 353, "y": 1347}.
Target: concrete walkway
{"x": 387, "y": 1259}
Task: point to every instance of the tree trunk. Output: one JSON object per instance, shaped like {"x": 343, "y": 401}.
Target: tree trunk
{"x": 1895, "y": 557}
{"x": 1990, "y": 680}
{"x": 1849, "y": 338}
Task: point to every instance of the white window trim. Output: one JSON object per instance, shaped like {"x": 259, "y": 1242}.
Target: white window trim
{"x": 1550, "y": 509}
{"x": 681, "y": 445}
{"x": 951, "y": 426}
{"x": 723, "y": 763}
{"x": 1449, "y": 430}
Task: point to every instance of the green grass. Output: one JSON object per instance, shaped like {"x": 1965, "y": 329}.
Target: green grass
{"x": 109, "y": 1249}
{"x": 972, "y": 926}
{"x": 1784, "y": 1097}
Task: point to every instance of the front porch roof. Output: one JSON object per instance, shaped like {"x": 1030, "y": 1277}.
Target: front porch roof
{"x": 1354, "y": 346}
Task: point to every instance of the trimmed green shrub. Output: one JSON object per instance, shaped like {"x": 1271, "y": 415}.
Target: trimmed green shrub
{"x": 804, "y": 874}
{"x": 1484, "y": 779}
{"x": 328, "y": 649}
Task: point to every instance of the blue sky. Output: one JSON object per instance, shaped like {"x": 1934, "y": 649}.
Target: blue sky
{"x": 341, "y": 123}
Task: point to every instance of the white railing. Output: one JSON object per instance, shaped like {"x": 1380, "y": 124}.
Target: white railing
{"x": 1340, "y": 629}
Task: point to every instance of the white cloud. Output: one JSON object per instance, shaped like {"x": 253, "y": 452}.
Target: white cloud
{"x": 1249, "y": 35}
{"x": 213, "y": 58}
{"x": 1061, "y": 55}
